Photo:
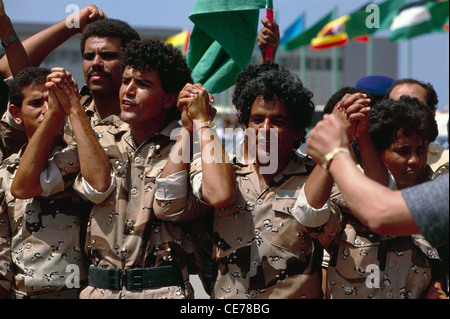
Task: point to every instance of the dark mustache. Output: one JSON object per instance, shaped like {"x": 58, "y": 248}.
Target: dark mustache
{"x": 99, "y": 70}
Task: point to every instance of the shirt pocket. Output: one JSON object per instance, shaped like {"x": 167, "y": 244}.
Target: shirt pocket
{"x": 286, "y": 231}
{"x": 356, "y": 251}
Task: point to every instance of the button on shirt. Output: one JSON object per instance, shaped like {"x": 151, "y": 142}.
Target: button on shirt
{"x": 260, "y": 250}
{"x": 123, "y": 231}
{"x": 40, "y": 238}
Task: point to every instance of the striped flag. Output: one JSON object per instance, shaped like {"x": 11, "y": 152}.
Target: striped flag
{"x": 180, "y": 41}
{"x": 305, "y": 37}
{"x": 419, "y": 18}
{"x": 332, "y": 34}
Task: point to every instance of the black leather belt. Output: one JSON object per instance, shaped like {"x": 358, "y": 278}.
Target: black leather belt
{"x": 135, "y": 278}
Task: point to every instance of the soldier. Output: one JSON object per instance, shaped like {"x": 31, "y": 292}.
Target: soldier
{"x": 425, "y": 93}
{"x": 259, "y": 249}
{"x": 364, "y": 264}
{"x": 38, "y": 47}
{"x": 132, "y": 253}
{"x": 101, "y": 44}
{"x": 41, "y": 236}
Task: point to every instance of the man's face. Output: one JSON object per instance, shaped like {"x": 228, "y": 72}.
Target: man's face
{"x": 101, "y": 65}
{"x": 33, "y": 109}
{"x": 270, "y": 122}
{"x": 142, "y": 99}
{"x": 412, "y": 90}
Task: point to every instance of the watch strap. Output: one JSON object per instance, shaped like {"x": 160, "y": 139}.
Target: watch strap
{"x": 7, "y": 42}
{"x": 326, "y": 161}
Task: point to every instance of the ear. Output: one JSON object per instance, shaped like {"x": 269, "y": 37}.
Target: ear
{"x": 16, "y": 114}
{"x": 170, "y": 100}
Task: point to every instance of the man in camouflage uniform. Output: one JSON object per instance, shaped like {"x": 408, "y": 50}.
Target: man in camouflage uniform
{"x": 259, "y": 248}
{"x": 41, "y": 237}
{"x": 364, "y": 264}
{"x": 101, "y": 44}
{"x": 134, "y": 254}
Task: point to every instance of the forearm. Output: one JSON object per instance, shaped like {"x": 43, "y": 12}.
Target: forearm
{"x": 94, "y": 163}
{"x": 382, "y": 210}
{"x": 16, "y": 57}
{"x": 218, "y": 181}
{"x": 371, "y": 162}
{"x": 26, "y": 183}
{"x": 318, "y": 187}
{"x": 41, "y": 44}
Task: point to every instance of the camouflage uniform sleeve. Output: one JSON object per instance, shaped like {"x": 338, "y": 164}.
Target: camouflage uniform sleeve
{"x": 324, "y": 224}
{"x": 6, "y": 274}
{"x": 307, "y": 215}
{"x": 61, "y": 171}
{"x": 86, "y": 191}
{"x": 174, "y": 199}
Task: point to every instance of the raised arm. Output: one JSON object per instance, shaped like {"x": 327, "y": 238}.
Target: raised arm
{"x": 26, "y": 183}
{"x": 382, "y": 210}
{"x": 268, "y": 36}
{"x": 15, "y": 52}
{"x": 215, "y": 163}
{"x": 40, "y": 45}
{"x": 358, "y": 114}
{"x": 94, "y": 163}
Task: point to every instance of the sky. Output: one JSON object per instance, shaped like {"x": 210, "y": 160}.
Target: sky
{"x": 429, "y": 53}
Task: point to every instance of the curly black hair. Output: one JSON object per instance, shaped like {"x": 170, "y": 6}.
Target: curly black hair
{"x": 26, "y": 77}
{"x": 339, "y": 94}
{"x": 407, "y": 114}
{"x": 431, "y": 95}
{"x": 153, "y": 55}
{"x": 113, "y": 28}
{"x": 273, "y": 82}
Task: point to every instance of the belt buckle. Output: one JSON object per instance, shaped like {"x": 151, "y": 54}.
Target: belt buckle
{"x": 134, "y": 278}
{"x": 114, "y": 276}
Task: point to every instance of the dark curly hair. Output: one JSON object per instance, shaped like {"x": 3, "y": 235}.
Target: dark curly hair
{"x": 153, "y": 55}
{"x": 26, "y": 77}
{"x": 431, "y": 95}
{"x": 407, "y": 114}
{"x": 273, "y": 82}
{"x": 109, "y": 28}
{"x": 339, "y": 94}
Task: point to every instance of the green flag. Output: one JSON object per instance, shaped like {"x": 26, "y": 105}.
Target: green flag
{"x": 372, "y": 18}
{"x": 419, "y": 18}
{"x": 306, "y": 37}
{"x": 222, "y": 40}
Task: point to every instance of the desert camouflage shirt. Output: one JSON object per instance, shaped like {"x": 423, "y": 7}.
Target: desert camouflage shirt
{"x": 123, "y": 231}
{"x": 41, "y": 245}
{"x": 366, "y": 265}
{"x": 260, "y": 250}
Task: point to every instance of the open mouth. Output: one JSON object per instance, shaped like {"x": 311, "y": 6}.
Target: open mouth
{"x": 126, "y": 103}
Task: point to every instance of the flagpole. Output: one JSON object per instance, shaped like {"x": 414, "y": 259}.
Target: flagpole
{"x": 269, "y": 16}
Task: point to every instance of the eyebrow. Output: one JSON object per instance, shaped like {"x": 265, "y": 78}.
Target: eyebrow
{"x": 139, "y": 80}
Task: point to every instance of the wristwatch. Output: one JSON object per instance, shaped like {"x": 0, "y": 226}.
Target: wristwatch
{"x": 326, "y": 160}
{"x": 209, "y": 124}
{"x": 7, "y": 42}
